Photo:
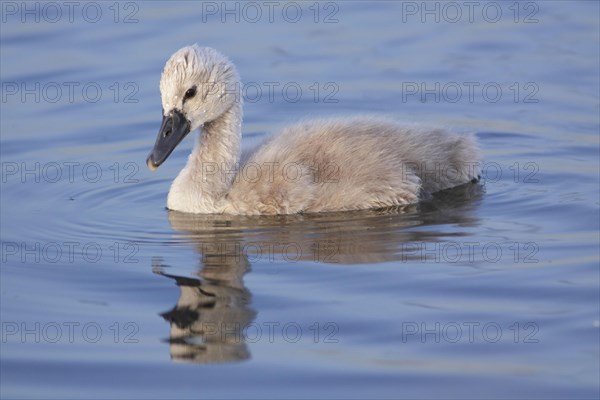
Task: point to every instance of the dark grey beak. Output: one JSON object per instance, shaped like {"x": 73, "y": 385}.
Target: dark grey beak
{"x": 173, "y": 129}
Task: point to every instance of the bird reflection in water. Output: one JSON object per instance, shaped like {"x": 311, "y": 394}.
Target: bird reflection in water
{"x": 208, "y": 322}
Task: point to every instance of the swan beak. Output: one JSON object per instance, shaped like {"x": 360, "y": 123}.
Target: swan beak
{"x": 173, "y": 129}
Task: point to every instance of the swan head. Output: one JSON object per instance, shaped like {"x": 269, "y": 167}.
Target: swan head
{"x": 198, "y": 84}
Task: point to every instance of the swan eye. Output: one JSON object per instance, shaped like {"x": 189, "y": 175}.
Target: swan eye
{"x": 191, "y": 92}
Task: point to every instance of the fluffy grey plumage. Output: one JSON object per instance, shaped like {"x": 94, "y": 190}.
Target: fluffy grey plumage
{"x": 315, "y": 166}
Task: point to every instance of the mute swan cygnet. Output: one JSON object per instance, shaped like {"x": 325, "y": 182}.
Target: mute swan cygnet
{"x": 314, "y": 166}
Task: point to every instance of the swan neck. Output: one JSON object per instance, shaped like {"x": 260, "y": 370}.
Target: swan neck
{"x": 202, "y": 185}
{"x": 219, "y": 148}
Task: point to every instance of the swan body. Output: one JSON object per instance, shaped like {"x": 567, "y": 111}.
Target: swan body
{"x": 314, "y": 166}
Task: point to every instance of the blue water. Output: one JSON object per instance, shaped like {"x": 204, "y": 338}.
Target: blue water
{"x": 489, "y": 291}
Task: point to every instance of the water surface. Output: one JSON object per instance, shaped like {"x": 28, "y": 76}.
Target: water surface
{"x": 482, "y": 291}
